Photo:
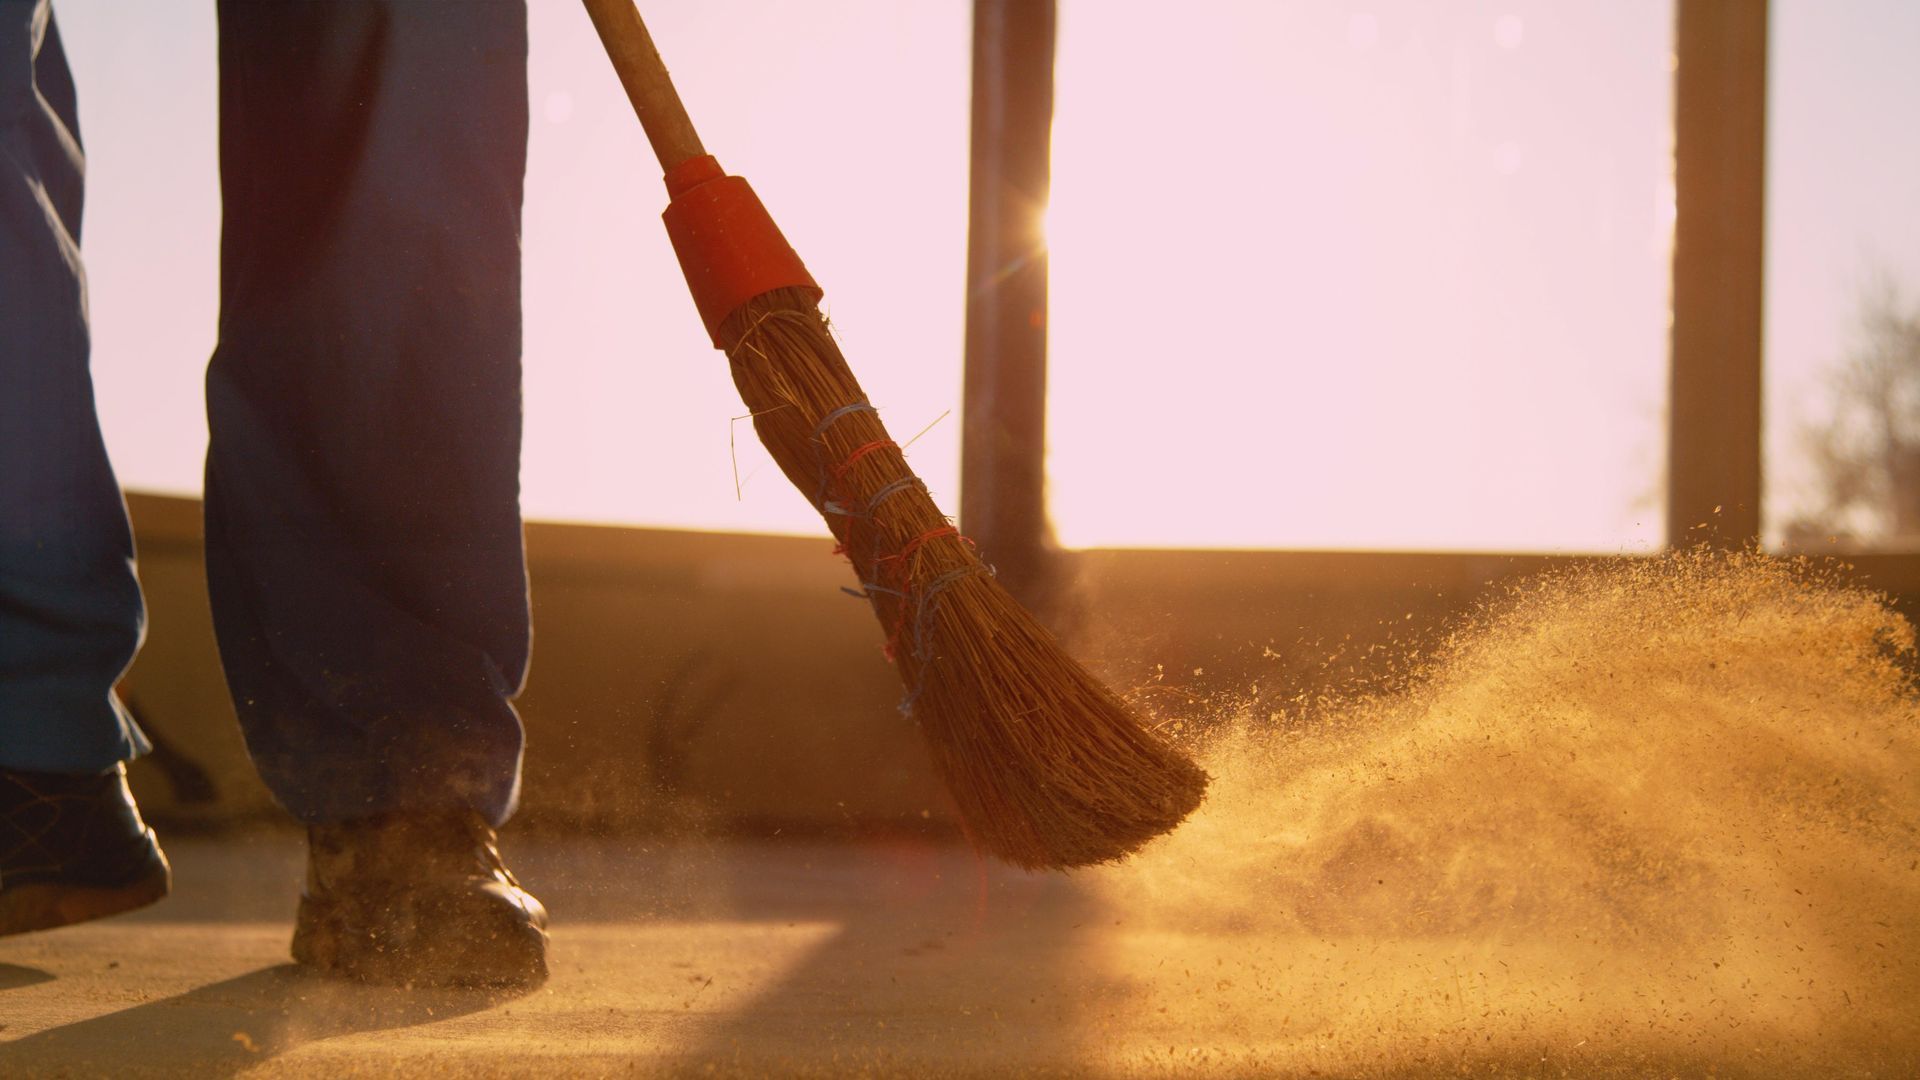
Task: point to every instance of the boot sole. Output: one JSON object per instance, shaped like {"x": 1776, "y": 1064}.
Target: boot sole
{"x": 348, "y": 941}
{"x": 46, "y": 905}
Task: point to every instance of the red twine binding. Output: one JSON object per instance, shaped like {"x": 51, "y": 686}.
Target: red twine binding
{"x": 899, "y": 565}
{"x": 840, "y": 470}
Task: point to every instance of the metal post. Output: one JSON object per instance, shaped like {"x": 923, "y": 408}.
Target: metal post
{"x": 1003, "y": 437}
{"x": 1720, "y": 122}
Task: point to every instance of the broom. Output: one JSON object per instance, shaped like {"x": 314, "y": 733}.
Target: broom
{"x": 1048, "y": 767}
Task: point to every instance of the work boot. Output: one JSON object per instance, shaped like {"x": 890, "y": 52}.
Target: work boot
{"x": 418, "y": 899}
{"x": 73, "y": 848}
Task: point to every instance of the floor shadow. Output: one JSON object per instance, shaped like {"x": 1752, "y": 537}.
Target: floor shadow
{"x": 938, "y": 962}
{"x": 14, "y": 976}
{"x": 228, "y": 1027}
{"x": 941, "y": 965}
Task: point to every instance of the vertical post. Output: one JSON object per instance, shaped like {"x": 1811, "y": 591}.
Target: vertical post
{"x": 1720, "y": 121}
{"x": 1003, "y": 436}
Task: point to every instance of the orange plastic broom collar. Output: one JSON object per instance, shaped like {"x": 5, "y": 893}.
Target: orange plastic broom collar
{"x": 729, "y": 247}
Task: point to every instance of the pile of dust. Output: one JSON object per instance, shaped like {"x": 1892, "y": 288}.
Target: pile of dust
{"x": 1648, "y": 816}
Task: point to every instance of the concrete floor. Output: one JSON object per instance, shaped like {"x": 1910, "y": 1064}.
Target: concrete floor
{"x": 739, "y": 958}
{"x": 810, "y": 959}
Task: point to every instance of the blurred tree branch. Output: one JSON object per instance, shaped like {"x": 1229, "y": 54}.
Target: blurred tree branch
{"x": 1868, "y": 452}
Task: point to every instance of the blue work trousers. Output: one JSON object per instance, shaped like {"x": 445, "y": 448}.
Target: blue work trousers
{"x": 364, "y": 555}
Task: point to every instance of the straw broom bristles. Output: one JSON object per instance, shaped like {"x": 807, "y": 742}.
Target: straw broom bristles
{"x": 1049, "y": 768}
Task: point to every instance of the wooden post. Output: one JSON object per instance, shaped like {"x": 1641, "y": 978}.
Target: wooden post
{"x": 1720, "y": 127}
{"x": 1003, "y": 436}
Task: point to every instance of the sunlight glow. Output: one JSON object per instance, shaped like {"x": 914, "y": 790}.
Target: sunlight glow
{"x": 1380, "y": 274}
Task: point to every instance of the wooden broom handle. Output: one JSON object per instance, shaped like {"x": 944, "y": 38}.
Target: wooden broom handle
{"x": 641, "y": 71}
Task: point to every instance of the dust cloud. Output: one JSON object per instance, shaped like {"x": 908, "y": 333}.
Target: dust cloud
{"x": 1649, "y": 816}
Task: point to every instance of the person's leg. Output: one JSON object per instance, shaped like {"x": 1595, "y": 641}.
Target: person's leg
{"x": 363, "y": 530}
{"x": 72, "y": 846}
{"x": 70, "y": 613}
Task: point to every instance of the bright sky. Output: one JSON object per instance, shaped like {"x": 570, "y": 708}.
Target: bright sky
{"x": 628, "y": 405}
{"x": 1843, "y": 203}
{"x": 1362, "y": 274}
{"x": 1385, "y": 274}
